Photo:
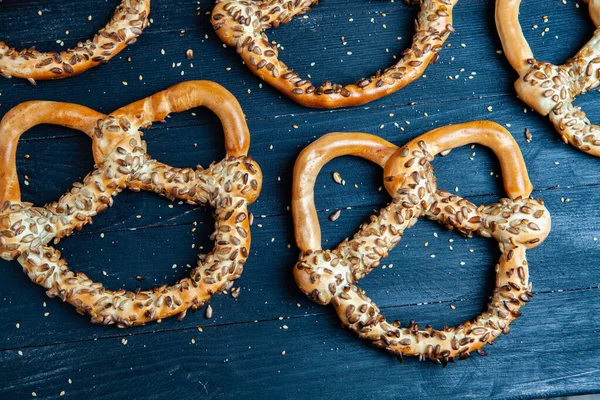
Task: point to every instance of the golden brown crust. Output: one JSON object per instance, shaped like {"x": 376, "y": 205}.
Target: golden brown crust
{"x": 550, "y": 89}
{"x": 122, "y": 162}
{"x": 242, "y": 24}
{"x": 127, "y": 23}
{"x": 331, "y": 276}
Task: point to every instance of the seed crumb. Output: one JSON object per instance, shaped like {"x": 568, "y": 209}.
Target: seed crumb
{"x": 335, "y": 215}
{"x": 337, "y": 178}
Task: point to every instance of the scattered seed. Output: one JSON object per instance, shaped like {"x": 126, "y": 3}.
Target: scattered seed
{"x": 337, "y": 178}
{"x": 335, "y": 215}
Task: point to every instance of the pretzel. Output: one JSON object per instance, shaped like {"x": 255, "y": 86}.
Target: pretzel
{"x": 127, "y": 23}
{"x": 550, "y": 89}
{"x": 331, "y": 276}
{"x": 242, "y": 24}
{"x": 122, "y": 162}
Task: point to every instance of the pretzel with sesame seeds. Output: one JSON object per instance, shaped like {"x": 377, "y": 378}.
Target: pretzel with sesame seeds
{"x": 122, "y": 162}
{"x": 550, "y": 89}
{"x": 331, "y": 276}
{"x": 242, "y": 24}
{"x": 127, "y": 23}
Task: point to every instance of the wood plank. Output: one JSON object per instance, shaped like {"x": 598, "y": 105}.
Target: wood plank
{"x": 552, "y": 350}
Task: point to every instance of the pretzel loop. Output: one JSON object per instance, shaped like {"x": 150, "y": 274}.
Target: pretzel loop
{"x": 242, "y": 24}
{"x": 517, "y": 223}
{"x": 24, "y": 117}
{"x": 550, "y": 89}
{"x": 228, "y": 186}
{"x": 127, "y": 23}
{"x": 312, "y": 159}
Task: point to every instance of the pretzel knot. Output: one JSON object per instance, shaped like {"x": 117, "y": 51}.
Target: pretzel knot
{"x": 127, "y": 23}
{"x": 331, "y": 276}
{"x": 122, "y": 162}
{"x": 550, "y": 89}
{"x": 242, "y": 24}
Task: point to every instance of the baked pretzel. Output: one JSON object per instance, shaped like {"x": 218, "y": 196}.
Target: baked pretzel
{"x": 331, "y": 276}
{"x": 550, "y": 89}
{"x": 242, "y": 24}
{"x": 122, "y": 162}
{"x": 127, "y": 23}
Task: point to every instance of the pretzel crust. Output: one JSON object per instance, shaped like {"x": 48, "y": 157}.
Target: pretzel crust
{"x": 550, "y": 89}
{"x": 331, "y": 276}
{"x": 127, "y": 23}
{"x": 242, "y": 24}
{"x": 228, "y": 186}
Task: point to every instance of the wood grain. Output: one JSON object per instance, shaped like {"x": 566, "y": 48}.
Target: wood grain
{"x": 554, "y": 348}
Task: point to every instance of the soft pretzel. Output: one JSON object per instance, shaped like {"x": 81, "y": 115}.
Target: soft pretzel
{"x": 242, "y": 24}
{"x": 550, "y": 89}
{"x": 122, "y": 162}
{"x": 127, "y": 23}
{"x": 331, "y": 276}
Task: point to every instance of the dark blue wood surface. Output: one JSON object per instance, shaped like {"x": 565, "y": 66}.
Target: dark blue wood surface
{"x": 554, "y": 349}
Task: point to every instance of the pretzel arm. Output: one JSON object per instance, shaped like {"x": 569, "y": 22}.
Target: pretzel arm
{"x": 24, "y": 117}
{"x": 242, "y": 24}
{"x": 106, "y": 306}
{"x": 130, "y": 17}
{"x": 307, "y": 168}
{"x": 516, "y": 48}
{"x": 575, "y": 128}
{"x": 570, "y": 121}
{"x": 362, "y": 315}
{"x": 193, "y": 185}
{"x": 215, "y": 271}
{"x": 188, "y": 95}
{"x": 27, "y": 241}
{"x": 516, "y": 224}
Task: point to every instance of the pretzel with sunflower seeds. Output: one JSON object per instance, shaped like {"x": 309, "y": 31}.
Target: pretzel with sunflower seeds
{"x": 331, "y": 276}
{"x": 127, "y": 23}
{"x": 550, "y": 89}
{"x": 242, "y": 24}
{"x": 122, "y": 162}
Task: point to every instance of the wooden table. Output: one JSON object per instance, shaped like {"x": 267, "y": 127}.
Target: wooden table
{"x": 271, "y": 341}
